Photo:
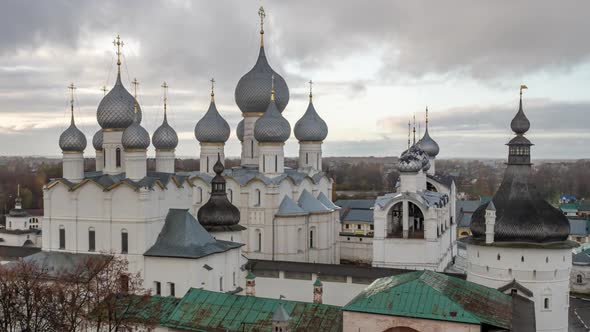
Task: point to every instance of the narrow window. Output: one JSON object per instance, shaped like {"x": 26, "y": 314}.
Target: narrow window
{"x": 62, "y": 237}
{"x": 311, "y": 238}
{"x": 221, "y": 284}
{"x": 276, "y": 163}
{"x": 259, "y": 241}
{"x": 118, "y": 157}
{"x": 231, "y": 195}
{"x": 172, "y": 289}
{"x": 252, "y": 148}
{"x": 124, "y": 280}
{"x": 347, "y": 226}
{"x": 547, "y": 259}
{"x": 124, "y": 242}
{"x": 234, "y": 279}
{"x": 263, "y": 163}
{"x": 579, "y": 278}
{"x": 498, "y": 257}
{"x": 104, "y": 159}
{"x": 207, "y": 169}
{"x": 257, "y": 193}
{"x": 158, "y": 287}
{"x": 91, "y": 239}
{"x": 306, "y": 158}
{"x": 200, "y": 194}
{"x": 358, "y": 226}
{"x": 372, "y": 227}
{"x": 522, "y": 259}
{"x": 546, "y": 303}
{"x": 10, "y": 225}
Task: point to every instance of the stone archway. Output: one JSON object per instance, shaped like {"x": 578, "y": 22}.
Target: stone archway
{"x": 415, "y": 223}
{"x": 401, "y": 329}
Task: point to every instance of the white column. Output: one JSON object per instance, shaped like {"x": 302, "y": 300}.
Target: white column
{"x": 432, "y": 169}
{"x": 135, "y": 164}
{"x": 405, "y": 218}
{"x": 271, "y": 158}
{"x": 99, "y": 160}
{"x": 110, "y": 143}
{"x": 310, "y": 155}
{"x": 208, "y": 157}
{"x": 73, "y": 166}
{"x": 165, "y": 161}
{"x": 250, "y": 145}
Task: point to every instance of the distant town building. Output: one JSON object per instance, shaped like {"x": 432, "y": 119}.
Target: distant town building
{"x": 22, "y": 226}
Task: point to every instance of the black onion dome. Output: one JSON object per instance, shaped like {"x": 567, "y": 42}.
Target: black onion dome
{"x": 135, "y": 137}
{"x": 212, "y": 128}
{"x": 72, "y": 139}
{"x": 429, "y": 145}
{"x": 240, "y": 130}
{"x": 116, "y": 109}
{"x": 252, "y": 92}
{"x": 272, "y": 126}
{"x": 219, "y": 214}
{"x": 311, "y": 127}
{"x": 520, "y": 124}
{"x": 97, "y": 140}
{"x": 165, "y": 137}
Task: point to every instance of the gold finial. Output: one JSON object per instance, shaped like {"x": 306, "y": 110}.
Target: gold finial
{"x": 414, "y": 129}
{"x": 310, "y": 89}
{"x": 119, "y": 43}
{"x": 409, "y": 133}
{"x": 165, "y": 87}
{"x": 104, "y": 90}
{"x": 272, "y": 87}
{"x": 262, "y": 15}
{"x": 522, "y": 87}
{"x": 72, "y": 87}
{"x": 135, "y": 84}
{"x": 212, "y": 80}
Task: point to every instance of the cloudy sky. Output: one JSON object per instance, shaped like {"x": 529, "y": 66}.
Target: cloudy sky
{"x": 375, "y": 65}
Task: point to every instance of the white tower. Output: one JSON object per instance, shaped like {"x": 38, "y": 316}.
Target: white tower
{"x": 212, "y": 131}
{"x": 72, "y": 143}
{"x": 519, "y": 238}
{"x": 310, "y": 130}
{"x": 165, "y": 140}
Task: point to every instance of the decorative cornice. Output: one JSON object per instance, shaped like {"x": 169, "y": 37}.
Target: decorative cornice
{"x": 253, "y": 114}
{"x": 271, "y": 143}
{"x": 311, "y": 142}
{"x": 113, "y": 129}
{"x": 211, "y": 143}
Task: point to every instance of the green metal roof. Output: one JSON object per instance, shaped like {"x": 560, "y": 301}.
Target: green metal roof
{"x": 569, "y": 206}
{"x": 431, "y": 295}
{"x": 155, "y": 307}
{"x": 201, "y": 310}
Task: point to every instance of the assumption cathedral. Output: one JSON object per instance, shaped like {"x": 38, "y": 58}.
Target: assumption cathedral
{"x": 267, "y": 231}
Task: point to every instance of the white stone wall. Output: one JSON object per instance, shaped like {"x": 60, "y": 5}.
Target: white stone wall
{"x": 357, "y": 249}
{"x": 310, "y": 155}
{"x": 545, "y": 272}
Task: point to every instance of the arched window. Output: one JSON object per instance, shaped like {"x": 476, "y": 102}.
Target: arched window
{"x": 118, "y": 157}
{"x": 230, "y": 195}
{"x": 62, "y": 237}
{"x": 546, "y": 303}
{"x": 498, "y": 257}
{"x": 124, "y": 241}
{"x": 91, "y": 239}
{"x": 258, "y": 235}
{"x": 234, "y": 279}
{"x": 547, "y": 259}
{"x": 579, "y": 278}
{"x": 257, "y": 197}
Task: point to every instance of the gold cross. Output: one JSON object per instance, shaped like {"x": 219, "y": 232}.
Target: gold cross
{"x": 262, "y": 16}
{"x": 212, "y": 80}
{"x": 104, "y": 90}
{"x": 165, "y": 87}
{"x": 119, "y": 43}
{"x": 310, "y": 87}
{"x": 135, "y": 84}
{"x": 72, "y": 87}
{"x": 272, "y": 87}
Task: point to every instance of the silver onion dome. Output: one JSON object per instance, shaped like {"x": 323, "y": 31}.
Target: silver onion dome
{"x": 311, "y": 127}
{"x": 417, "y": 150}
{"x": 240, "y": 130}
{"x": 428, "y": 145}
{"x": 212, "y": 128}
{"x": 520, "y": 123}
{"x": 72, "y": 139}
{"x": 116, "y": 109}
{"x": 165, "y": 137}
{"x": 135, "y": 137}
{"x": 272, "y": 126}
{"x": 409, "y": 163}
{"x": 252, "y": 90}
{"x": 97, "y": 140}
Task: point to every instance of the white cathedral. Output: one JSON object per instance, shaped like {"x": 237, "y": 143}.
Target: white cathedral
{"x": 150, "y": 217}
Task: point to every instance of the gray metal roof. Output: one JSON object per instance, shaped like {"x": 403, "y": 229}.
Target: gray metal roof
{"x": 357, "y": 216}
{"x": 107, "y": 181}
{"x": 520, "y": 124}
{"x": 72, "y": 139}
{"x": 311, "y": 127}
{"x": 356, "y": 203}
{"x": 165, "y": 137}
{"x": 288, "y": 207}
{"x": 272, "y": 126}
{"x": 310, "y": 203}
{"x": 116, "y": 109}
{"x": 446, "y": 180}
{"x": 280, "y": 315}
{"x": 579, "y": 227}
{"x": 135, "y": 137}
{"x": 581, "y": 258}
{"x": 212, "y": 127}
{"x": 57, "y": 262}
{"x": 327, "y": 202}
{"x": 183, "y": 237}
{"x": 253, "y": 89}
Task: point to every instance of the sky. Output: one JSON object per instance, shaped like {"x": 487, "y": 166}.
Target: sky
{"x": 374, "y": 65}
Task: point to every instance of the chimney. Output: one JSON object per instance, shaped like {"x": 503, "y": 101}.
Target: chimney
{"x": 250, "y": 284}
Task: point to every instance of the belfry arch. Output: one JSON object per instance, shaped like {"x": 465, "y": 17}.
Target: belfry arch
{"x": 405, "y": 219}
